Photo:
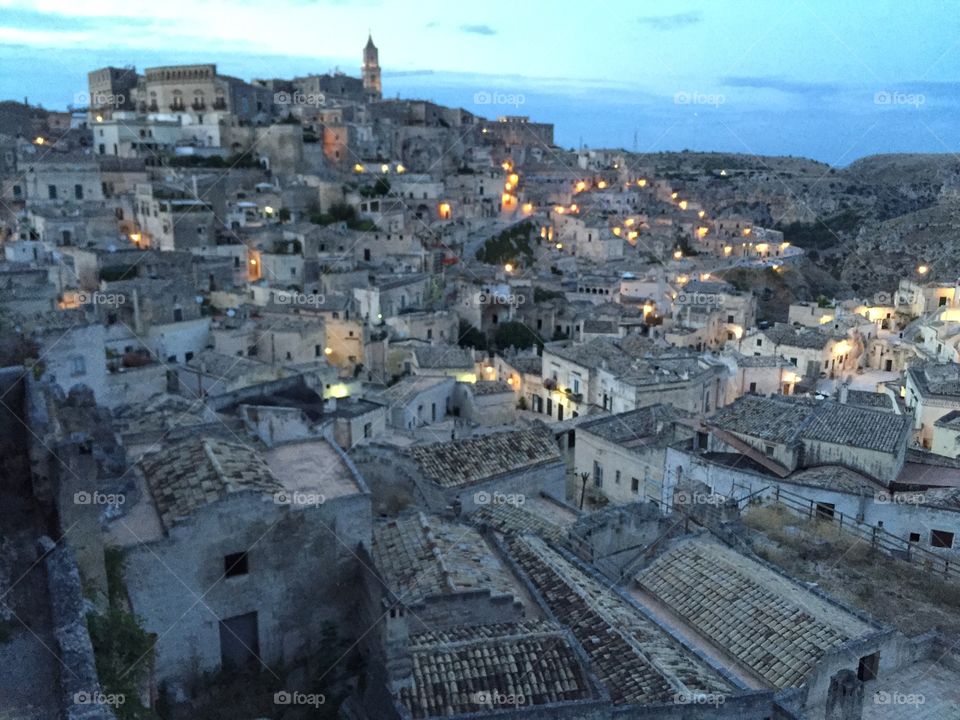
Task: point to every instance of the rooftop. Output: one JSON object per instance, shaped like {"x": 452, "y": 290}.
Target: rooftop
{"x": 419, "y": 556}
{"x": 770, "y": 623}
{"x": 630, "y": 426}
{"x": 444, "y": 356}
{"x": 200, "y": 470}
{"x": 536, "y": 656}
{"x": 460, "y": 463}
{"x": 936, "y": 378}
{"x": 802, "y": 337}
{"x": 635, "y": 658}
{"x": 788, "y": 419}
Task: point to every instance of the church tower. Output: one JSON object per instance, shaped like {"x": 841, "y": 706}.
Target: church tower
{"x": 371, "y": 70}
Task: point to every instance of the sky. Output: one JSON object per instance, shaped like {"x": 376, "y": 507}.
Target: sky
{"x": 830, "y": 80}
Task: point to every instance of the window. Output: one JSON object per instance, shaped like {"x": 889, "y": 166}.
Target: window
{"x": 794, "y": 361}
{"x": 941, "y": 539}
{"x": 52, "y": 192}
{"x": 235, "y": 564}
{"x": 635, "y": 486}
{"x": 597, "y": 474}
{"x": 429, "y": 334}
{"x": 616, "y": 477}
{"x": 78, "y": 192}
{"x": 317, "y": 352}
{"x": 177, "y": 314}
{"x": 768, "y": 449}
{"x": 753, "y": 388}
{"x": 729, "y": 318}
{"x": 368, "y": 430}
{"x": 914, "y": 537}
{"x": 868, "y": 667}
{"x": 759, "y": 342}
{"x": 943, "y": 301}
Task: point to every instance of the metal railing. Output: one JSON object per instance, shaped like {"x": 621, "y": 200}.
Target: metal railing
{"x": 877, "y": 538}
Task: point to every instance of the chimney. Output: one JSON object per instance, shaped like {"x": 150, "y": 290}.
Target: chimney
{"x": 844, "y": 389}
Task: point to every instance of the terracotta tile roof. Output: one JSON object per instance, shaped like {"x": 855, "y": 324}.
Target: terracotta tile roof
{"x": 420, "y": 555}
{"x": 452, "y": 671}
{"x": 199, "y": 471}
{"x": 772, "y": 625}
{"x": 790, "y": 419}
{"x": 459, "y": 463}
{"x": 633, "y": 657}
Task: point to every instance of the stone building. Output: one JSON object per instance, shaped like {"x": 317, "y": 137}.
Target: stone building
{"x": 234, "y": 557}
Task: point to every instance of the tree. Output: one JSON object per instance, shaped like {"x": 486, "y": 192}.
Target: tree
{"x": 471, "y": 337}
{"x": 516, "y": 334}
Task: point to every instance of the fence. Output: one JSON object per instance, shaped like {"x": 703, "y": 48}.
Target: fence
{"x": 878, "y": 538}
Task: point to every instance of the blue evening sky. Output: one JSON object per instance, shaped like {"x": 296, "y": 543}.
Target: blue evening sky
{"x": 830, "y": 80}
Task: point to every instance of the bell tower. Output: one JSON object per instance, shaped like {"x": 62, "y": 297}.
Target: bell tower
{"x": 371, "y": 70}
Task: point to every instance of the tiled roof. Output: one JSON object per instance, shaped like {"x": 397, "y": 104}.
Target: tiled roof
{"x": 528, "y": 365}
{"x": 444, "y": 356}
{"x": 420, "y": 555}
{"x": 409, "y": 387}
{"x": 490, "y": 387}
{"x": 937, "y": 378}
{"x": 790, "y": 419}
{"x": 632, "y": 425}
{"x": 199, "y": 471}
{"x": 767, "y": 622}
{"x": 510, "y": 519}
{"x": 633, "y": 657}
{"x": 459, "y": 463}
{"x": 862, "y": 398}
{"x": 802, "y": 337}
{"x": 453, "y": 670}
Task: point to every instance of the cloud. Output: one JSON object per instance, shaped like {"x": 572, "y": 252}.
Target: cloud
{"x": 671, "y": 22}
{"x": 785, "y": 85}
{"x": 478, "y": 29}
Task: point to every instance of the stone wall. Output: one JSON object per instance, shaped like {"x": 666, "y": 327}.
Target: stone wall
{"x": 80, "y": 685}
